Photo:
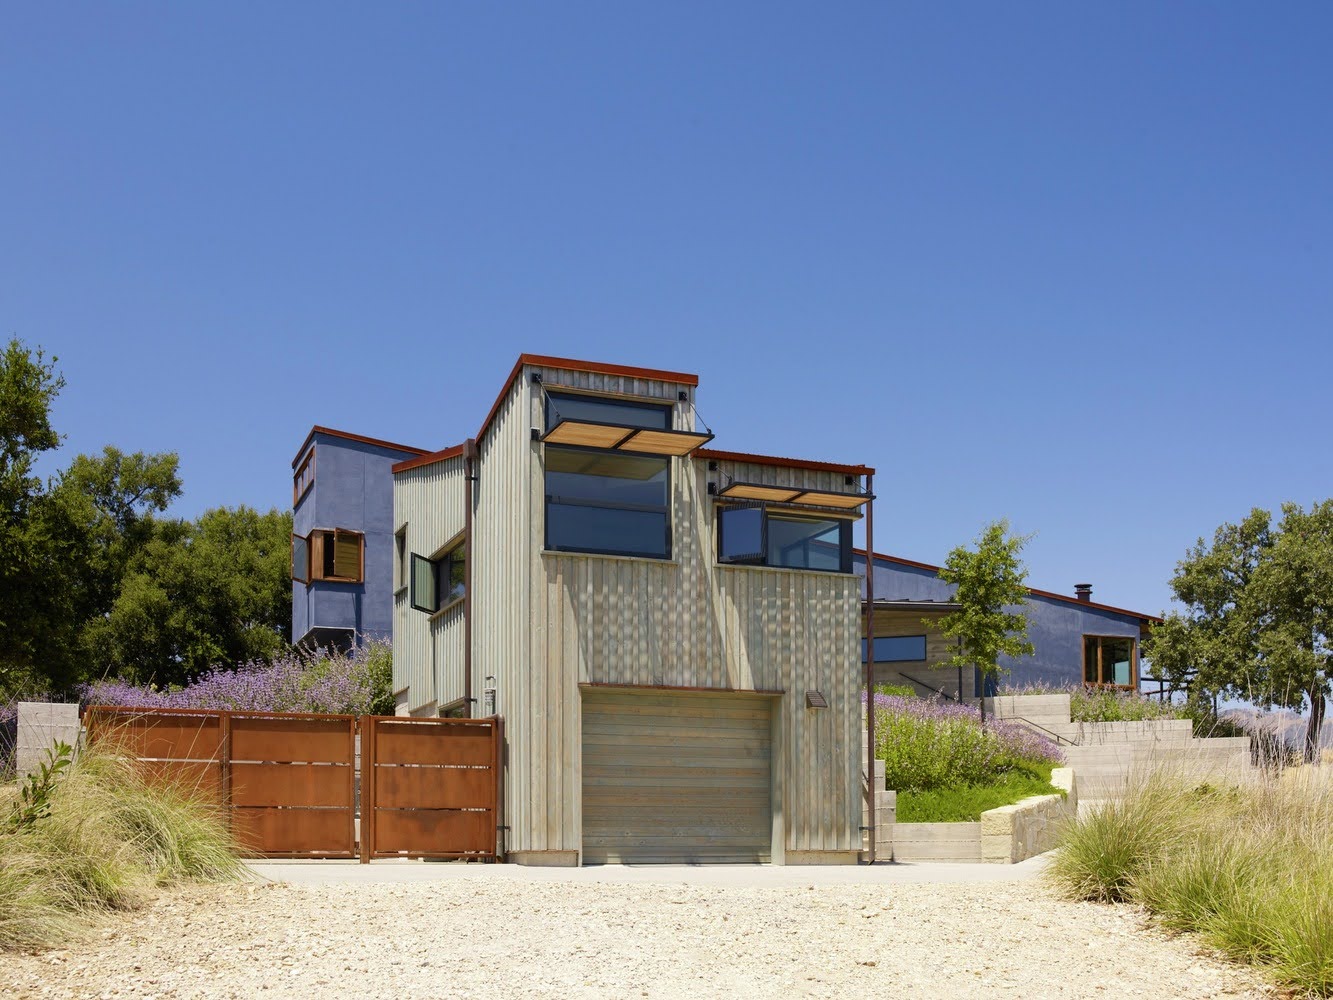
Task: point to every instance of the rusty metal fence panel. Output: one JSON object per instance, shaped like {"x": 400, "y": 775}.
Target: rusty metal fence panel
{"x": 431, "y": 787}
{"x": 184, "y": 748}
{"x": 288, "y": 781}
{"x": 293, "y": 784}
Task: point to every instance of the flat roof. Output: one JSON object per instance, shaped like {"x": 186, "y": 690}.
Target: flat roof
{"x": 347, "y": 435}
{"x": 785, "y": 463}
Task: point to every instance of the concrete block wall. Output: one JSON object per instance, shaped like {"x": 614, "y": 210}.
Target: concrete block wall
{"x": 41, "y": 726}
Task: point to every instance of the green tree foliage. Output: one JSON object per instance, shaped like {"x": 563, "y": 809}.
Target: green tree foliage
{"x": 94, "y": 581}
{"x": 1258, "y": 619}
{"x": 988, "y": 586}
{"x": 214, "y": 592}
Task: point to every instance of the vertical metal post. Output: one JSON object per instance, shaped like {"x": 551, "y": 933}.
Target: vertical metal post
{"x": 870, "y": 664}
{"x": 469, "y": 472}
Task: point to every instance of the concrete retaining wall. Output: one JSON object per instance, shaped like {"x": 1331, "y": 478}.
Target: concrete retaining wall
{"x": 1003, "y": 836}
{"x": 41, "y": 726}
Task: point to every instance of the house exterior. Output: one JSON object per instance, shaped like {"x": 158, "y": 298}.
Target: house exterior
{"x": 670, "y": 632}
{"x": 342, "y": 538}
{"x": 1076, "y": 640}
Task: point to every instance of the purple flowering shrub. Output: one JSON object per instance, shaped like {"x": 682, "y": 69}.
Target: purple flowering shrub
{"x": 358, "y": 683}
{"x": 927, "y": 744}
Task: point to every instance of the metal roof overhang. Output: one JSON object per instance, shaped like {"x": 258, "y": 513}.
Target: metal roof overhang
{"x": 793, "y": 494}
{"x": 623, "y": 437}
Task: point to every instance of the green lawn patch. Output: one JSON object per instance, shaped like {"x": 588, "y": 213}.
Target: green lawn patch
{"x": 966, "y": 803}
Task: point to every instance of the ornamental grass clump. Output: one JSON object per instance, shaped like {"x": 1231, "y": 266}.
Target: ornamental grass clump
{"x": 108, "y": 841}
{"x": 1248, "y": 866}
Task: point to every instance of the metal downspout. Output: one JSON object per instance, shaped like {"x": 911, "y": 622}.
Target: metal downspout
{"x": 870, "y": 664}
{"x": 469, "y": 475}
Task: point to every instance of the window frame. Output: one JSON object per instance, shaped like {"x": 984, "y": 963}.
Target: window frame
{"x": 925, "y": 649}
{"x": 440, "y": 566}
{"x": 402, "y": 577}
{"x": 845, "y": 562}
{"x": 550, "y": 416}
{"x": 1101, "y": 682}
{"x": 305, "y": 572}
{"x": 665, "y": 509}
{"x": 303, "y": 480}
{"x": 319, "y": 539}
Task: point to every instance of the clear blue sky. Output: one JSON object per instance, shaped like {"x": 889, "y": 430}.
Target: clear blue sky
{"x": 1065, "y": 263}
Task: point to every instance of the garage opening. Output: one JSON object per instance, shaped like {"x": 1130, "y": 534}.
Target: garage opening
{"x": 676, "y": 778}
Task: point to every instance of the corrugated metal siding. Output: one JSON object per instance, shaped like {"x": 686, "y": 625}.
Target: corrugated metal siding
{"x": 501, "y": 537}
{"x": 429, "y": 500}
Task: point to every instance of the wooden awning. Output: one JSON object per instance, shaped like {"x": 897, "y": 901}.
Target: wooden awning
{"x": 620, "y": 437}
{"x": 792, "y": 494}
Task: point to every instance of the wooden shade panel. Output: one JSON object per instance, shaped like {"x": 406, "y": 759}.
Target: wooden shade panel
{"x": 585, "y": 435}
{"x": 749, "y": 491}
{"x": 843, "y": 501}
{"x": 676, "y": 443}
{"x": 625, "y": 437}
{"x": 791, "y": 494}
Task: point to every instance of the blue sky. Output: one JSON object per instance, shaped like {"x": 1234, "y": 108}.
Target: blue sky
{"x": 1064, "y": 263}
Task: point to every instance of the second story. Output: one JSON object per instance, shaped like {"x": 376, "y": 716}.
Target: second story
{"x": 342, "y": 532}
{"x": 610, "y": 542}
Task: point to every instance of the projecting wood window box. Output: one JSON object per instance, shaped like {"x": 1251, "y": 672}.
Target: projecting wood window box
{"x": 329, "y": 556}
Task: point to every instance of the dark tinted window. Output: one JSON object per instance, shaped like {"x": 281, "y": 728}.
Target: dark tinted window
{"x": 805, "y": 543}
{"x": 601, "y": 410}
{"x": 609, "y": 502}
{"x": 897, "y": 648}
{"x": 740, "y": 534}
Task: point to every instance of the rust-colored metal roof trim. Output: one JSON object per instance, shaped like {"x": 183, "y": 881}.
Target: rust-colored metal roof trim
{"x": 431, "y": 459}
{"x": 784, "y": 463}
{"x": 348, "y": 436}
{"x": 1031, "y": 590}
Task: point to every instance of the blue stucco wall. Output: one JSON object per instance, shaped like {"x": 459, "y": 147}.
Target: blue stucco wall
{"x": 354, "y": 490}
{"x": 1056, "y": 628}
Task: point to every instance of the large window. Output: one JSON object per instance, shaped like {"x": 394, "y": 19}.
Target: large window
{"x": 1109, "y": 660}
{"x": 897, "y": 649}
{"x": 441, "y": 582}
{"x": 304, "y": 478}
{"x": 329, "y": 554}
{"x": 601, "y": 410}
{"x": 758, "y": 535}
{"x": 607, "y": 502}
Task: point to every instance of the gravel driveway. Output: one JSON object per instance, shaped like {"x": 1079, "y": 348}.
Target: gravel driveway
{"x": 496, "y": 932}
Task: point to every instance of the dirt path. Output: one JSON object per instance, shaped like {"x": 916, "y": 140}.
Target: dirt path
{"x": 486, "y": 936}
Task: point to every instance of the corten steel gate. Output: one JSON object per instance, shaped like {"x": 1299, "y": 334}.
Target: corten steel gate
{"x": 431, "y": 787}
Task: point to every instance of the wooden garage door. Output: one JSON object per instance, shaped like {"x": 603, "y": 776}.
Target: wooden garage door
{"x": 675, "y": 777}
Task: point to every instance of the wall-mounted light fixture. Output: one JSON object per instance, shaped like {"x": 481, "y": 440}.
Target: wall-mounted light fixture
{"x": 815, "y": 699}
{"x": 488, "y": 697}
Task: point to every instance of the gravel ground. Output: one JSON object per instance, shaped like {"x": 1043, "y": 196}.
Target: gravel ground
{"x": 489, "y": 936}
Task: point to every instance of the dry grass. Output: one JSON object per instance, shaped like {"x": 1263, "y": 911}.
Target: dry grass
{"x": 1249, "y": 866}
{"x": 109, "y": 842}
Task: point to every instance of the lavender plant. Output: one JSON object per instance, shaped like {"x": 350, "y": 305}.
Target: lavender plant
{"x": 357, "y": 683}
{"x": 929, "y": 744}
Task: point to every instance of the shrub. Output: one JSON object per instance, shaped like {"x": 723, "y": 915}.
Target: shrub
{"x": 930, "y": 744}
{"x": 108, "y": 841}
{"x": 896, "y": 690}
{"x": 1101, "y": 704}
{"x": 1249, "y": 867}
{"x": 358, "y": 683}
